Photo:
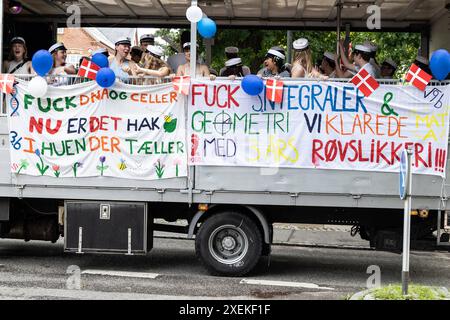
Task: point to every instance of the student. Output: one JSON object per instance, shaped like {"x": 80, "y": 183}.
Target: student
{"x": 185, "y": 69}
{"x": 274, "y": 64}
{"x": 388, "y": 68}
{"x": 136, "y": 54}
{"x": 233, "y": 53}
{"x": 373, "y": 57}
{"x": 361, "y": 57}
{"x": 119, "y": 63}
{"x": 17, "y": 62}
{"x": 328, "y": 64}
{"x": 178, "y": 59}
{"x": 155, "y": 66}
{"x": 303, "y": 65}
{"x": 59, "y": 54}
{"x": 60, "y": 68}
{"x": 233, "y": 68}
{"x": 145, "y": 41}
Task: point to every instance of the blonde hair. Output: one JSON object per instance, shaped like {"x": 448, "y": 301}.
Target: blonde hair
{"x": 304, "y": 58}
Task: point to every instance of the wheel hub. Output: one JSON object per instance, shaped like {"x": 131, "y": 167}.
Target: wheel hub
{"x": 228, "y": 243}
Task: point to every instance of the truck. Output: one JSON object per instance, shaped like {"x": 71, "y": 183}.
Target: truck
{"x": 230, "y": 208}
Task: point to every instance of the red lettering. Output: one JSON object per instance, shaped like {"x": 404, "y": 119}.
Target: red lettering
{"x": 50, "y": 129}
{"x": 36, "y": 124}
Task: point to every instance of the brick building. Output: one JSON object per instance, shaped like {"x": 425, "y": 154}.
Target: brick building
{"x": 81, "y": 42}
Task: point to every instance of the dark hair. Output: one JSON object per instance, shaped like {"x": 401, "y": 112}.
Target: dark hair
{"x": 233, "y": 71}
{"x": 231, "y": 55}
{"x": 365, "y": 55}
{"x": 330, "y": 62}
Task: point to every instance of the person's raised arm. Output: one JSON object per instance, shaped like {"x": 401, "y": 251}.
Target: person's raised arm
{"x": 344, "y": 58}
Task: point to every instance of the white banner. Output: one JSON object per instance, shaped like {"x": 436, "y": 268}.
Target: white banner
{"x": 319, "y": 125}
{"x": 133, "y": 132}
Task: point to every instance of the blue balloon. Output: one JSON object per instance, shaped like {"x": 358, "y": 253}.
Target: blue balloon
{"x": 207, "y": 28}
{"x": 101, "y": 60}
{"x": 42, "y": 62}
{"x": 252, "y": 85}
{"x": 105, "y": 77}
{"x": 440, "y": 64}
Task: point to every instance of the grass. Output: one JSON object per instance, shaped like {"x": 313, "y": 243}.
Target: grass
{"x": 415, "y": 292}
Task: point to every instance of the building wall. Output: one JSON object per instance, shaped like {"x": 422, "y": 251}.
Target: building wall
{"x": 79, "y": 44}
{"x": 440, "y": 31}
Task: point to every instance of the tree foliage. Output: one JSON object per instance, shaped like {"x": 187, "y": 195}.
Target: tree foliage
{"x": 253, "y": 44}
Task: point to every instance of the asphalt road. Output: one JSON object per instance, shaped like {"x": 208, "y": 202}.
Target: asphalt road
{"x": 38, "y": 270}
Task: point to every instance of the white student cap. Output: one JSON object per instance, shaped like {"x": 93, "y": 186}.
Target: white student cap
{"x": 330, "y": 55}
{"x": 123, "y": 40}
{"x": 300, "y": 44}
{"x": 390, "y": 62}
{"x": 233, "y": 62}
{"x": 423, "y": 60}
{"x": 57, "y": 46}
{"x": 187, "y": 44}
{"x": 363, "y": 48}
{"x": 276, "y": 53}
{"x": 101, "y": 50}
{"x": 231, "y": 50}
{"x": 147, "y": 37}
{"x": 18, "y": 40}
{"x": 157, "y": 51}
{"x": 372, "y": 46}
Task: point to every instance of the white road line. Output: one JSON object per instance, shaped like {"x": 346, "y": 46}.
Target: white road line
{"x": 121, "y": 274}
{"x": 284, "y": 284}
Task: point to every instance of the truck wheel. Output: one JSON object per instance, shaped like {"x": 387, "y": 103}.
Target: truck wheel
{"x": 229, "y": 244}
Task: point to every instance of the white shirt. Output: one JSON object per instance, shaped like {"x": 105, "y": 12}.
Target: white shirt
{"x": 22, "y": 70}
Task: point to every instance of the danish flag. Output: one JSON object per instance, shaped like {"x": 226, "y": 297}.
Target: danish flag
{"x": 181, "y": 84}
{"x": 6, "y": 83}
{"x": 88, "y": 69}
{"x": 418, "y": 77}
{"x": 365, "y": 82}
{"x": 274, "y": 90}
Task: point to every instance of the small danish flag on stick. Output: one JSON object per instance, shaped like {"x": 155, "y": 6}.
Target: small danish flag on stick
{"x": 365, "y": 82}
{"x": 419, "y": 78}
{"x": 182, "y": 84}
{"x": 88, "y": 69}
{"x": 6, "y": 82}
{"x": 274, "y": 90}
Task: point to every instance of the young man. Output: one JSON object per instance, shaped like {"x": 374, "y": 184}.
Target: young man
{"x": 328, "y": 64}
{"x": 361, "y": 56}
{"x": 274, "y": 64}
{"x": 178, "y": 59}
{"x": 233, "y": 53}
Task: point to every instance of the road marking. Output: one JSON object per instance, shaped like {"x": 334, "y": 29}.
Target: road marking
{"x": 284, "y": 284}
{"x": 121, "y": 274}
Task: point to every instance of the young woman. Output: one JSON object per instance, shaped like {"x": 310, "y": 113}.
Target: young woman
{"x": 60, "y": 67}
{"x": 59, "y": 54}
{"x": 303, "y": 66}
{"x": 17, "y": 60}
{"x": 154, "y": 65}
{"x": 119, "y": 63}
{"x": 185, "y": 69}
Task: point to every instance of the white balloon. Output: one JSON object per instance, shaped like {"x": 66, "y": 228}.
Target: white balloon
{"x": 194, "y": 14}
{"x": 37, "y": 87}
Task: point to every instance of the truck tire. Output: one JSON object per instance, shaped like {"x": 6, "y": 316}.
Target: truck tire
{"x": 229, "y": 244}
